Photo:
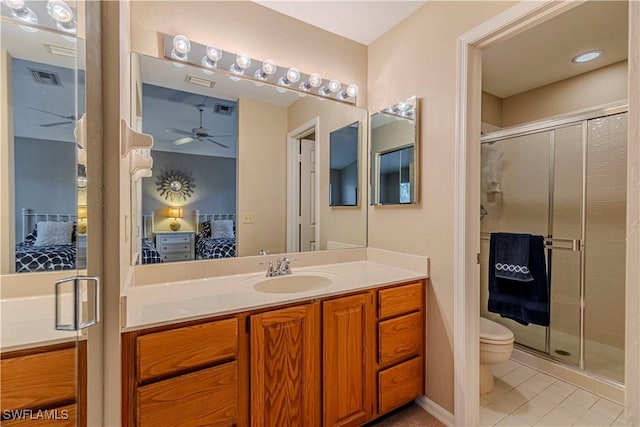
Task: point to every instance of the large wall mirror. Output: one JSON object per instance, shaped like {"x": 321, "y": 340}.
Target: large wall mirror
{"x": 239, "y": 167}
{"x": 394, "y": 154}
{"x": 44, "y": 219}
{"x": 343, "y": 165}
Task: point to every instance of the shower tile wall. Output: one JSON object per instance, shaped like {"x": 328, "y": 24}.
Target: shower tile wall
{"x": 605, "y": 250}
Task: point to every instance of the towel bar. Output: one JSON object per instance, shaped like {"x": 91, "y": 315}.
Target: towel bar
{"x": 574, "y": 245}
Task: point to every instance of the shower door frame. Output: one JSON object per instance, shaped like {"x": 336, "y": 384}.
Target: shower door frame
{"x": 551, "y": 125}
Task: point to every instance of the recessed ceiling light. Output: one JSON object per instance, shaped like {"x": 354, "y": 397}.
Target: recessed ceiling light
{"x": 587, "y": 56}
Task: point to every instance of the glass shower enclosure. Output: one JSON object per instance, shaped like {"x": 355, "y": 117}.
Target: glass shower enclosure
{"x": 565, "y": 180}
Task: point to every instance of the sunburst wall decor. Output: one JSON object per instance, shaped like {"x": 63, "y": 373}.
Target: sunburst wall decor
{"x": 175, "y": 185}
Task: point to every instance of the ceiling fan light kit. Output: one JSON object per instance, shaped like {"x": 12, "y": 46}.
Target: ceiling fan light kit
{"x": 209, "y": 57}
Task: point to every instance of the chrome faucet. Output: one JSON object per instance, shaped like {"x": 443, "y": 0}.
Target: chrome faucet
{"x": 282, "y": 267}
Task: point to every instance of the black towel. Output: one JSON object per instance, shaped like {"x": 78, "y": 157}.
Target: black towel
{"x": 524, "y": 302}
{"x": 512, "y": 256}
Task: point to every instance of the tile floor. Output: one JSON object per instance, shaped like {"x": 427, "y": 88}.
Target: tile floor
{"x": 526, "y": 397}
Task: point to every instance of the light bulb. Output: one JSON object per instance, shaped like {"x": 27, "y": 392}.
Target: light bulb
{"x": 334, "y": 85}
{"x": 59, "y": 10}
{"x": 315, "y": 80}
{"x": 213, "y": 53}
{"x": 403, "y": 106}
{"x": 243, "y": 61}
{"x": 293, "y": 75}
{"x": 181, "y": 45}
{"x": 27, "y": 16}
{"x": 353, "y": 90}
{"x": 268, "y": 69}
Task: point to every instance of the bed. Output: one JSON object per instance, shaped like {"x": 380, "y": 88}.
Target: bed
{"x": 33, "y": 254}
{"x": 148, "y": 252}
{"x": 215, "y": 236}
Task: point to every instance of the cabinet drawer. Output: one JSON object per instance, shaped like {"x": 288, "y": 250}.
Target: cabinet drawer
{"x": 205, "y": 398}
{"x": 170, "y": 351}
{"x": 175, "y": 239}
{"x": 399, "y": 300}
{"x": 400, "y": 384}
{"x": 64, "y": 416}
{"x": 39, "y": 379}
{"x": 176, "y": 257}
{"x": 399, "y": 338}
{"x": 175, "y": 247}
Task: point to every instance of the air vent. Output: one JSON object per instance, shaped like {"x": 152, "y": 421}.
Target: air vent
{"x": 45, "y": 77}
{"x": 225, "y": 110}
{"x": 199, "y": 81}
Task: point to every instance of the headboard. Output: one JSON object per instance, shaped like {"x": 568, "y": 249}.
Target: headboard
{"x": 30, "y": 219}
{"x": 212, "y": 216}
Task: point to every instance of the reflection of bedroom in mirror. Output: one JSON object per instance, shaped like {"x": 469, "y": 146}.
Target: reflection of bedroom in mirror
{"x": 394, "y": 146}
{"x": 343, "y": 165}
{"x": 44, "y": 87}
{"x": 221, "y": 158}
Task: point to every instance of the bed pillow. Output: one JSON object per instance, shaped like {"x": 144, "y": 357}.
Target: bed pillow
{"x": 52, "y": 233}
{"x": 205, "y": 230}
{"x": 222, "y": 229}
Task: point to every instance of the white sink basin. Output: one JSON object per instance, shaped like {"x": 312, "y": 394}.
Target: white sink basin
{"x": 294, "y": 283}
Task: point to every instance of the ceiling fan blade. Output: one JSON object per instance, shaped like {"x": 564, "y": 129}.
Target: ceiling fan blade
{"x": 181, "y": 141}
{"x": 49, "y": 125}
{"x": 178, "y": 131}
{"x": 70, "y": 117}
{"x": 219, "y": 143}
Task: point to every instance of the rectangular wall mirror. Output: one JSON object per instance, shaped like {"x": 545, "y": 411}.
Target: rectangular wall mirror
{"x": 44, "y": 179}
{"x": 343, "y": 165}
{"x": 240, "y": 166}
{"x": 394, "y": 154}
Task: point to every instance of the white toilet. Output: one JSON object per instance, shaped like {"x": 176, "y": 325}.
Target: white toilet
{"x": 496, "y": 345}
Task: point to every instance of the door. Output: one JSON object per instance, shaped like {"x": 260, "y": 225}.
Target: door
{"x": 347, "y": 360}
{"x": 285, "y": 367}
{"x": 45, "y": 307}
{"x": 308, "y": 195}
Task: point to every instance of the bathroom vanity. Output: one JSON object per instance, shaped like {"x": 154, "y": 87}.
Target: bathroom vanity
{"x": 341, "y": 355}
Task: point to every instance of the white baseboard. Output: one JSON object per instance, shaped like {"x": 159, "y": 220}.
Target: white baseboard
{"x": 436, "y": 410}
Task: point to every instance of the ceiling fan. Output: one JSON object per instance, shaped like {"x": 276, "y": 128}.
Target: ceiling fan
{"x": 70, "y": 118}
{"x": 198, "y": 133}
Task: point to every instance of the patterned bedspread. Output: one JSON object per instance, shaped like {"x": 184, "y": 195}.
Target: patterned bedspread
{"x": 150, "y": 254}
{"x": 208, "y": 248}
{"x": 30, "y": 258}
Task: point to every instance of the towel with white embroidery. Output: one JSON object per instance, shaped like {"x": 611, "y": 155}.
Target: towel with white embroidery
{"x": 512, "y": 256}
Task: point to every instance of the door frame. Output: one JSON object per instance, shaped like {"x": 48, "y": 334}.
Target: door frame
{"x": 514, "y": 20}
{"x": 293, "y": 181}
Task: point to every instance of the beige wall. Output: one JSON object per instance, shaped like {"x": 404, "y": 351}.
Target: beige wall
{"x": 243, "y": 26}
{"x": 262, "y": 177}
{"x": 598, "y": 87}
{"x": 426, "y": 67}
{"x": 346, "y": 225}
{"x": 491, "y": 109}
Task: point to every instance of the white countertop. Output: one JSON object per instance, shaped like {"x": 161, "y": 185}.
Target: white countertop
{"x": 164, "y": 303}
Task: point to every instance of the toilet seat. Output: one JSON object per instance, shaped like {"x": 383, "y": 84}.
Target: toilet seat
{"x": 494, "y": 333}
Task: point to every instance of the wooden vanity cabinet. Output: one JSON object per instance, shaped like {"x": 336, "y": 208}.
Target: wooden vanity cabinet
{"x": 49, "y": 378}
{"x": 348, "y": 326}
{"x": 285, "y": 367}
{"x": 183, "y": 376}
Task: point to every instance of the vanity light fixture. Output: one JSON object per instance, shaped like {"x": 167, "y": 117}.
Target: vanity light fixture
{"x": 314, "y": 80}
{"x": 181, "y": 48}
{"x": 268, "y": 68}
{"x": 587, "y": 56}
{"x": 352, "y": 91}
{"x": 332, "y": 87}
{"x": 260, "y": 72}
{"x": 62, "y": 14}
{"x": 292, "y": 76}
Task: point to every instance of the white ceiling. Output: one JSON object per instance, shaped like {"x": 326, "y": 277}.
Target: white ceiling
{"x": 361, "y": 21}
{"x": 542, "y": 55}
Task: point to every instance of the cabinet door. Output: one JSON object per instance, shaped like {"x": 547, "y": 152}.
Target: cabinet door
{"x": 347, "y": 356}
{"x": 285, "y": 367}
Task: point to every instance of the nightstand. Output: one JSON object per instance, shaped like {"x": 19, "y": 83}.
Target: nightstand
{"x": 176, "y": 245}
